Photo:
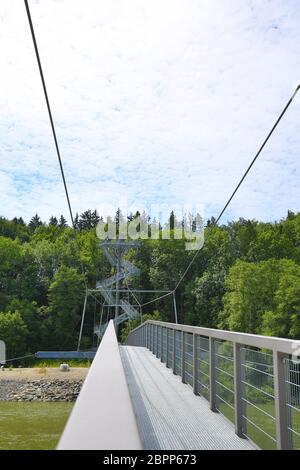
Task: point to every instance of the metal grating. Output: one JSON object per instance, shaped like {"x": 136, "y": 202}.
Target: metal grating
{"x": 169, "y": 415}
{"x": 252, "y": 380}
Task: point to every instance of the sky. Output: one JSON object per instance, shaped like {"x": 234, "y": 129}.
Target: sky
{"x": 154, "y": 102}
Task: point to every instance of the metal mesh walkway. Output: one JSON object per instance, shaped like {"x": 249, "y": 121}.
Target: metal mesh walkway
{"x": 169, "y": 416}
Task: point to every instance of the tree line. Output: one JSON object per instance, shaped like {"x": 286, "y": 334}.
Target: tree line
{"x": 245, "y": 278}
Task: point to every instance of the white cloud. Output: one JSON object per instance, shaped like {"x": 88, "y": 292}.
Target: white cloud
{"x": 161, "y": 101}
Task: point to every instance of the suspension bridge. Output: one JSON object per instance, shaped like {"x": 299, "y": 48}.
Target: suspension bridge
{"x": 174, "y": 386}
{"x": 177, "y": 386}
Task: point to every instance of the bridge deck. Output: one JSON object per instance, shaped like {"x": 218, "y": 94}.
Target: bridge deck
{"x": 169, "y": 415}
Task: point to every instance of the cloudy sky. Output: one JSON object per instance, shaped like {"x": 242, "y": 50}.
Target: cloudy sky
{"x": 161, "y": 101}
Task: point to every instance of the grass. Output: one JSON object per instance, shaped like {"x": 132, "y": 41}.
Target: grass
{"x": 266, "y": 423}
{"x": 57, "y": 362}
{"x": 36, "y": 363}
{"x": 32, "y": 425}
{"x": 261, "y": 420}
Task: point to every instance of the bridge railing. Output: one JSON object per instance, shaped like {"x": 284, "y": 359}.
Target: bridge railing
{"x": 102, "y": 417}
{"x": 253, "y": 380}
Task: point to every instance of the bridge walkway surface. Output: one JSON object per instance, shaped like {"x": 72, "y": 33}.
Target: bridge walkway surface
{"x": 169, "y": 415}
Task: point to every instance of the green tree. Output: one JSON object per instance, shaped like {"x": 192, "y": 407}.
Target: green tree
{"x": 31, "y": 317}
{"x": 284, "y": 320}
{"x": 206, "y": 293}
{"x": 13, "y": 332}
{"x": 66, "y": 296}
{"x": 244, "y": 233}
{"x": 35, "y": 222}
{"x": 18, "y": 273}
{"x": 251, "y": 291}
{"x": 15, "y": 229}
{"x": 62, "y": 222}
{"x": 271, "y": 242}
{"x": 88, "y": 220}
{"x": 53, "y": 221}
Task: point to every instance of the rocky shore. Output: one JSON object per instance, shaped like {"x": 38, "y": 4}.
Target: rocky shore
{"x": 40, "y": 390}
{"x": 58, "y": 387}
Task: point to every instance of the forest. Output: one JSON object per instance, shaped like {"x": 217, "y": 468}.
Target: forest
{"x": 245, "y": 278}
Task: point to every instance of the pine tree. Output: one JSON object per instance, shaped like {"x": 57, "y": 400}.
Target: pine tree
{"x": 53, "y": 221}
{"x": 62, "y": 222}
{"x": 35, "y": 222}
{"x": 19, "y": 220}
{"x": 95, "y": 218}
{"x": 88, "y": 220}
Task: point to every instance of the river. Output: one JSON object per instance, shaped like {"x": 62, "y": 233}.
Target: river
{"x": 32, "y": 425}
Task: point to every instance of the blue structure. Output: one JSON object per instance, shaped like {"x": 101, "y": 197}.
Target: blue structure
{"x": 65, "y": 354}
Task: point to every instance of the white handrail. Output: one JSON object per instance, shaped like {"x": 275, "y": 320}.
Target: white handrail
{"x": 286, "y": 346}
{"x": 102, "y": 417}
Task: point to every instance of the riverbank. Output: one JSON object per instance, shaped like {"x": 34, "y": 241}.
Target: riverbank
{"x": 44, "y": 384}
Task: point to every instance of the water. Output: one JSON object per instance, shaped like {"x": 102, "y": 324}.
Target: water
{"x": 32, "y": 426}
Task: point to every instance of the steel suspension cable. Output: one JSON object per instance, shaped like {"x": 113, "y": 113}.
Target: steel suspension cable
{"x": 49, "y": 108}
{"x": 53, "y": 130}
{"x": 243, "y": 177}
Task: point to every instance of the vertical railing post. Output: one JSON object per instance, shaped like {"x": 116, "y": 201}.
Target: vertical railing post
{"x": 148, "y": 335}
{"x": 157, "y": 342}
{"x": 174, "y": 352}
{"x": 195, "y": 387}
{"x": 161, "y": 343}
{"x": 282, "y": 438}
{"x": 167, "y": 348}
{"x": 152, "y": 337}
{"x": 212, "y": 374}
{"x": 238, "y": 398}
{"x": 183, "y": 356}
{"x": 159, "y": 328}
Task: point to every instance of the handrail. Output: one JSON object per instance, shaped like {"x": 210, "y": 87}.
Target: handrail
{"x": 283, "y": 345}
{"x": 179, "y": 347}
{"x": 102, "y": 417}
